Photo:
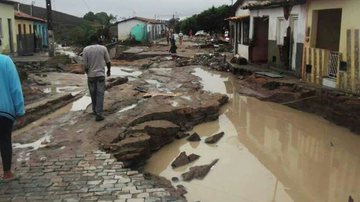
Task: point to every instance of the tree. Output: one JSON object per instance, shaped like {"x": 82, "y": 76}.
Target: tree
{"x": 210, "y": 20}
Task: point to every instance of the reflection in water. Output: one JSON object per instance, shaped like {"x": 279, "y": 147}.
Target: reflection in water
{"x": 269, "y": 153}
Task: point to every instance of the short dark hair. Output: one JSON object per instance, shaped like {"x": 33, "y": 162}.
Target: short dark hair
{"x": 94, "y": 39}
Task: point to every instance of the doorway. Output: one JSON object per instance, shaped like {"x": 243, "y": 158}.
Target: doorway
{"x": 259, "y": 50}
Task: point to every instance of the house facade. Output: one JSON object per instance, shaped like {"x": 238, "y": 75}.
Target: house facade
{"x": 332, "y": 44}
{"x": 31, "y": 33}
{"x": 240, "y": 30}
{"x": 153, "y": 29}
{"x": 277, "y": 33}
{"x": 7, "y": 24}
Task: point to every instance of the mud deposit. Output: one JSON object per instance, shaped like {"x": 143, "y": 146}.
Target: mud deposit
{"x": 269, "y": 152}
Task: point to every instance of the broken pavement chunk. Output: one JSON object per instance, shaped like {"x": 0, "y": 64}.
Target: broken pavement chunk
{"x": 181, "y": 135}
{"x": 183, "y": 159}
{"x": 194, "y": 138}
{"x": 198, "y": 172}
{"x": 215, "y": 138}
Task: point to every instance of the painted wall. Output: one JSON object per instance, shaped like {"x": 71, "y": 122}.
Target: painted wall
{"x": 7, "y": 12}
{"x": 348, "y": 79}
{"x": 27, "y": 23}
{"x": 350, "y": 17}
{"x": 42, "y": 32}
{"x": 274, "y": 15}
{"x": 124, "y": 28}
{"x": 242, "y": 50}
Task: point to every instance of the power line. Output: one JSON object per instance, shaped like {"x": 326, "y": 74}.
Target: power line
{"x": 87, "y": 5}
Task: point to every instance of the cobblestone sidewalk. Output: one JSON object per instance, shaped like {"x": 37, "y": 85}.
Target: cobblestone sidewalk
{"x": 90, "y": 177}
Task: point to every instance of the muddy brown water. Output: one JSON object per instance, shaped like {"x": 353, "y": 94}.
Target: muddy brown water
{"x": 269, "y": 153}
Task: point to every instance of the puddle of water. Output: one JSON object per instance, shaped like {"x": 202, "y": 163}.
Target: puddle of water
{"x": 121, "y": 71}
{"x": 174, "y": 103}
{"x": 186, "y": 98}
{"x": 81, "y": 104}
{"x": 269, "y": 153}
{"x": 154, "y": 82}
{"x": 66, "y": 89}
{"x": 211, "y": 82}
{"x": 40, "y": 143}
{"x": 128, "y": 108}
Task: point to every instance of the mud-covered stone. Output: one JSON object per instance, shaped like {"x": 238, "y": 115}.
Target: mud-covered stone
{"x": 215, "y": 138}
{"x": 116, "y": 81}
{"x": 198, "y": 172}
{"x": 181, "y": 135}
{"x": 184, "y": 159}
{"x": 194, "y": 138}
{"x": 132, "y": 150}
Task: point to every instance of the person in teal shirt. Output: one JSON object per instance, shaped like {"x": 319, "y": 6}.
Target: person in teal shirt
{"x": 11, "y": 108}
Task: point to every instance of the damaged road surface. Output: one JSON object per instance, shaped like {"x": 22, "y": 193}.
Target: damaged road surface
{"x": 177, "y": 131}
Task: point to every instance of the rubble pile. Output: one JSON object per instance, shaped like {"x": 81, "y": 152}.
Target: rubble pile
{"x": 215, "y": 61}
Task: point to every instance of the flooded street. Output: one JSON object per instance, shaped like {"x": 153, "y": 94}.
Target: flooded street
{"x": 269, "y": 153}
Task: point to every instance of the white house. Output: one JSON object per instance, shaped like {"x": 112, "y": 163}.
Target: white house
{"x": 277, "y": 33}
{"x": 240, "y": 27}
{"x": 154, "y": 28}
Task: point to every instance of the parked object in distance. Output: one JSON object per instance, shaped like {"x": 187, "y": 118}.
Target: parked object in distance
{"x": 201, "y": 33}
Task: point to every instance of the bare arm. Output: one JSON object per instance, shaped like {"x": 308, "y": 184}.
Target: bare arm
{"x": 108, "y": 62}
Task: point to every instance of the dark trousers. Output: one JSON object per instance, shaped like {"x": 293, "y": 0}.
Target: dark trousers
{"x": 6, "y": 126}
{"x": 97, "y": 91}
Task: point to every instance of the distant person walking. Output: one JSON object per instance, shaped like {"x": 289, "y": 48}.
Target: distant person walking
{"x": 11, "y": 108}
{"x": 181, "y": 36}
{"x": 95, "y": 58}
{"x": 173, "y": 46}
{"x": 168, "y": 37}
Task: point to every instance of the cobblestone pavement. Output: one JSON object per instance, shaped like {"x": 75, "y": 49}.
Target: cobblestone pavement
{"x": 84, "y": 177}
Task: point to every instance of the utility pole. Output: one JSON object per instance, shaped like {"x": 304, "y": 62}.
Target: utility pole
{"x": 50, "y": 29}
{"x": 32, "y": 8}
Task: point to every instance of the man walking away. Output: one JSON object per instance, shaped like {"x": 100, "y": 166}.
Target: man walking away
{"x": 95, "y": 58}
{"x": 11, "y": 107}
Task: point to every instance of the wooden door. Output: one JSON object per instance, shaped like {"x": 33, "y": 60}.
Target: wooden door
{"x": 259, "y": 49}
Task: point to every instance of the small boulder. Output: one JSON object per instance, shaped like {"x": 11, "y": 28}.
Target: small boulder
{"x": 194, "y": 138}
{"x": 181, "y": 135}
{"x": 183, "y": 159}
{"x": 198, "y": 172}
{"x": 215, "y": 138}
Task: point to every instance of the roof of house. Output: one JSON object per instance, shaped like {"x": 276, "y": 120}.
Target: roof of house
{"x": 8, "y": 2}
{"x": 24, "y": 16}
{"x": 237, "y": 4}
{"x": 238, "y": 18}
{"x": 261, "y": 4}
{"x": 147, "y": 20}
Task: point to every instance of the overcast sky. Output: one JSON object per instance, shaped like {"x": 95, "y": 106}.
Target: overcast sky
{"x": 128, "y": 8}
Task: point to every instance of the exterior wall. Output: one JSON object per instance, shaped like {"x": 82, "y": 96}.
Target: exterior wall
{"x": 347, "y": 79}
{"x": 273, "y": 49}
{"x": 42, "y": 32}
{"x": 242, "y": 49}
{"x": 27, "y": 23}
{"x": 7, "y": 12}
{"x": 124, "y": 28}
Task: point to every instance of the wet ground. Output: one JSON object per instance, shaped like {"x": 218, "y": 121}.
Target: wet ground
{"x": 269, "y": 153}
